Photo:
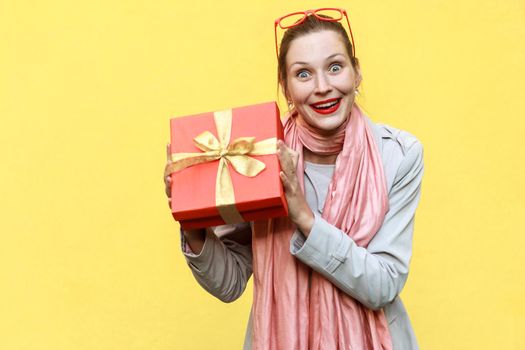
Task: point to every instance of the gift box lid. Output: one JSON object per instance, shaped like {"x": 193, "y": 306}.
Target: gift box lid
{"x": 193, "y": 196}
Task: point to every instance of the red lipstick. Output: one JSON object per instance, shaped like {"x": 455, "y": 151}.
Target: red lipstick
{"x": 327, "y": 106}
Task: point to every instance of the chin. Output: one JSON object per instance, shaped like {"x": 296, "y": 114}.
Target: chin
{"x": 327, "y": 123}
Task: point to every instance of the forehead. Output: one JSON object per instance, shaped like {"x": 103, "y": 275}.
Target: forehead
{"x": 315, "y": 47}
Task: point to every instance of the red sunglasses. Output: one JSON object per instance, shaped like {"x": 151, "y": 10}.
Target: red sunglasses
{"x": 296, "y": 18}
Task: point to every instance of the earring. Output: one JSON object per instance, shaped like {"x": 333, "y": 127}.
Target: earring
{"x": 356, "y": 91}
{"x": 290, "y": 104}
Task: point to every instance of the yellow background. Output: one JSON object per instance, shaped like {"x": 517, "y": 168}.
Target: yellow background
{"x": 89, "y": 254}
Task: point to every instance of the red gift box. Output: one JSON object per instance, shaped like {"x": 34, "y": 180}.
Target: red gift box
{"x": 197, "y": 194}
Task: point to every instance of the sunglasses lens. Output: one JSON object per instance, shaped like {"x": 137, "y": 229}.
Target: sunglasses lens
{"x": 336, "y": 15}
{"x": 291, "y": 20}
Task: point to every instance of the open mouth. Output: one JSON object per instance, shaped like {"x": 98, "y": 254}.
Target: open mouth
{"x": 326, "y": 106}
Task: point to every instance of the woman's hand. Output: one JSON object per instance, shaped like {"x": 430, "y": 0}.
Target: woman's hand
{"x": 298, "y": 209}
{"x": 167, "y": 178}
{"x": 195, "y": 238}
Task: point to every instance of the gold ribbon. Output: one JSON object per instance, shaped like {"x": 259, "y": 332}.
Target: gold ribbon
{"x": 237, "y": 153}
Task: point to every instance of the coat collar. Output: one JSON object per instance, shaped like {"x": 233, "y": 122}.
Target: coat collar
{"x": 383, "y": 132}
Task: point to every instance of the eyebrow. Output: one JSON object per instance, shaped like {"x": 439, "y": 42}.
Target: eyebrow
{"x": 328, "y": 58}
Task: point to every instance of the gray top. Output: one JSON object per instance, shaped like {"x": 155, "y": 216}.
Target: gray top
{"x": 317, "y": 178}
{"x": 374, "y": 275}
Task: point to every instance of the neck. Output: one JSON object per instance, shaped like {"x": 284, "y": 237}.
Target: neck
{"x": 312, "y": 157}
{"x": 323, "y": 149}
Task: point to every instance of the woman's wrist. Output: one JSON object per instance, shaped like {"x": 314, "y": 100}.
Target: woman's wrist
{"x": 195, "y": 239}
{"x": 305, "y": 222}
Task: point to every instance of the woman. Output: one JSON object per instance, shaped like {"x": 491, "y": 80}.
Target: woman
{"x": 328, "y": 276}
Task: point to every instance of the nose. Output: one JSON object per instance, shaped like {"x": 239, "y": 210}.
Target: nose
{"x": 322, "y": 85}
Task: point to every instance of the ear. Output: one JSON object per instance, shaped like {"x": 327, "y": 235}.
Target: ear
{"x": 358, "y": 77}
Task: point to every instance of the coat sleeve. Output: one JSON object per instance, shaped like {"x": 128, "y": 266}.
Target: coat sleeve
{"x": 223, "y": 267}
{"x": 374, "y": 275}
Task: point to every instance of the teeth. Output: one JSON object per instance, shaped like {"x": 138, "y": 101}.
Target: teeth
{"x": 326, "y": 105}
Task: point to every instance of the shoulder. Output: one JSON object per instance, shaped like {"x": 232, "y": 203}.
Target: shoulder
{"x": 403, "y": 140}
{"x": 401, "y": 151}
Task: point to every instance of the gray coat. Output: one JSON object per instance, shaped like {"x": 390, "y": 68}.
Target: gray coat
{"x": 374, "y": 275}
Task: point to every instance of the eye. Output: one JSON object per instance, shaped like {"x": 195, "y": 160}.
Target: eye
{"x": 303, "y": 74}
{"x": 336, "y": 67}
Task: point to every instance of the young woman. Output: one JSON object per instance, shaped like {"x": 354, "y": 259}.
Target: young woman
{"x": 328, "y": 275}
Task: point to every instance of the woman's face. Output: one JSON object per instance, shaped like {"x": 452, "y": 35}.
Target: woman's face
{"x": 321, "y": 81}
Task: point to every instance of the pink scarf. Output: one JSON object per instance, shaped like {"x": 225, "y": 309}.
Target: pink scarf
{"x": 292, "y": 310}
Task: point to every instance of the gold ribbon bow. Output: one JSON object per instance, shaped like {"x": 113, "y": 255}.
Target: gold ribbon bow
{"x": 236, "y": 153}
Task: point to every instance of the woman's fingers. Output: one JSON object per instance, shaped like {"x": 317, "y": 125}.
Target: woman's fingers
{"x": 167, "y": 179}
{"x": 290, "y": 186}
{"x": 168, "y": 152}
{"x": 289, "y": 168}
{"x": 286, "y": 158}
{"x": 284, "y": 180}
